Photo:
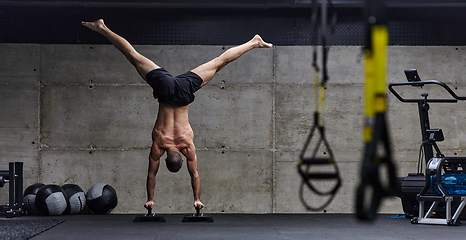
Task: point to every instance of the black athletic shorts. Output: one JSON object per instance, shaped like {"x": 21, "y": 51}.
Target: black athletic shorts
{"x": 172, "y": 90}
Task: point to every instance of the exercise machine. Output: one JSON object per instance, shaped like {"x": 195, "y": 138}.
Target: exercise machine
{"x": 419, "y": 189}
{"x": 14, "y": 177}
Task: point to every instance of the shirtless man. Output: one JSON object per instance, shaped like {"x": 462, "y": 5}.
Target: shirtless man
{"x": 172, "y": 132}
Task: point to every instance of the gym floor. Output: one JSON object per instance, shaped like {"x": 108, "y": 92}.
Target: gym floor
{"x": 244, "y": 226}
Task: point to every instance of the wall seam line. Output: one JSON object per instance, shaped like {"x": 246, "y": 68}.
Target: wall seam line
{"x": 274, "y": 150}
{"x": 39, "y": 129}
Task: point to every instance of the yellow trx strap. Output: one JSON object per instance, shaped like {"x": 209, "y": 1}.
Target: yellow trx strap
{"x": 375, "y": 127}
{"x": 375, "y": 85}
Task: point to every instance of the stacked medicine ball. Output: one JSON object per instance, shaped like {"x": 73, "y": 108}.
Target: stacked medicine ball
{"x": 53, "y": 200}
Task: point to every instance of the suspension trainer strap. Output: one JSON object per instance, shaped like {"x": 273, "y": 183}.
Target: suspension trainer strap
{"x": 318, "y": 127}
{"x": 375, "y": 129}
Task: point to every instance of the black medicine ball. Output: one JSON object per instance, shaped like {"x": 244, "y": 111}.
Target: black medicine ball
{"x": 76, "y": 199}
{"x": 51, "y": 200}
{"x": 30, "y": 197}
{"x": 101, "y": 198}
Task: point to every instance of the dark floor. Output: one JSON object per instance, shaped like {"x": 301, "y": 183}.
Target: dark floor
{"x": 245, "y": 226}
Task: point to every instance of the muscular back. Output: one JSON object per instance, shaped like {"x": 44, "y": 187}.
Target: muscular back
{"x": 172, "y": 132}
{"x": 172, "y": 129}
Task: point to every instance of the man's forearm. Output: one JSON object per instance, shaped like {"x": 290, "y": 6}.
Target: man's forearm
{"x": 150, "y": 185}
{"x": 196, "y": 184}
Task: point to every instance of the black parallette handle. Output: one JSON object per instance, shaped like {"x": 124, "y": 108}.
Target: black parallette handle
{"x": 197, "y": 210}
{"x": 149, "y": 211}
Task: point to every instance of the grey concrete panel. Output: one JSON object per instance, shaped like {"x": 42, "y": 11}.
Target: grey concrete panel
{"x": 236, "y": 181}
{"x": 443, "y": 63}
{"x": 295, "y": 115}
{"x": 18, "y": 104}
{"x": 85, "y": 64}
{"x": 18, "y": 138}
{"x": 344, "y": 116}
{"x": 233, "y": 117}
{"x": 103, "y": 116}
{"x": 406, "y": 161}
{"x": 345, "y": 65}
{"x": 18, "y": 117}
{"x": 403, "y": 124}
{"x": 294, "y": 65}
{"x": 450, "y": 118}
{"x": 19, "y": 75}
{"x": 19, "y": 63}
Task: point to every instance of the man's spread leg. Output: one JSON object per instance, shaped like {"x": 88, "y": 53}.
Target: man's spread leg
{"x": 207, "y": 71}
{"x": 142, "y": 64}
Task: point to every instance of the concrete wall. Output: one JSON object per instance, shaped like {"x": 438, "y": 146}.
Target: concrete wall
{"x": 81, "y": 114}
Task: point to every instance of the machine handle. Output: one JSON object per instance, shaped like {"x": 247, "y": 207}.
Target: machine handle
{"x": 417, "y": 83}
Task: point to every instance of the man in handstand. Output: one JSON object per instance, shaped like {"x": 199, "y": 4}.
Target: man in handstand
{"x": 172, "y": 132}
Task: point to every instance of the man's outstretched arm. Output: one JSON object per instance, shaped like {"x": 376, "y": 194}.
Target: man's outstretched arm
{"x": 191, "y": 157}
{"x": 154, "y": 162}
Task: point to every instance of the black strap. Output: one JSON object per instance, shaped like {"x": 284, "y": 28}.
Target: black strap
{"x": 306, "y": 163}
{"x": 318, "y": 130}
{"x": 370, "y": 181}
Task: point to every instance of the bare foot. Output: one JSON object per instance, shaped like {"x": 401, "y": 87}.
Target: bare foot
{"x": 95, "y": 26}
{"x": 260, "y": 43}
